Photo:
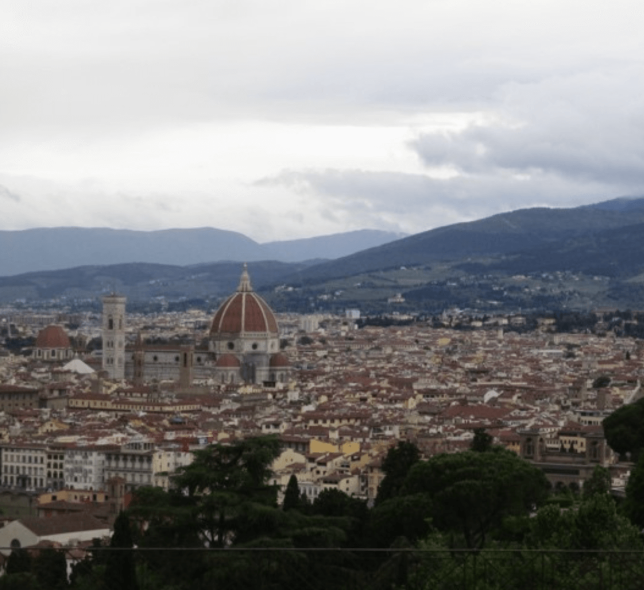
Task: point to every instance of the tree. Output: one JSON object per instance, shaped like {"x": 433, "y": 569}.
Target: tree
{"x": 400, "y": 518}
{"x": 482, "y": 441}
{"x": 598, "y": 483}
{"x": 472, "y": 493}
{"x": 343, "y": 511}
{"x": 225, "y": 488}
{"x": 623, "y": 429}
{"x": 592, "y": 525}
{"x": 292, "y": 495}
{"x": 50, "y": 568}
{"x": 120, "y": 570}
{"x": 601, "y": 381}
{"x": 634, "y": 504}
{"x": 396, "y": 466}
{"x": 19, "y": 561}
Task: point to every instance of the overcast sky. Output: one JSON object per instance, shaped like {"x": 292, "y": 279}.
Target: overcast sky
{"x": 289, "y": 118}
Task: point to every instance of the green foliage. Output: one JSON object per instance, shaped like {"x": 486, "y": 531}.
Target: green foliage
{"x": 598, "y": 483}
{"x": 624, "y": 429}
{"x": 349, "y": 514}
{"x": 482, "y": 441}
{"x": 120, "y": 571}
{"x": 592, "y": 525}
{"x": 19, "y": 581}
{"x": 402, "y": 517}
{"x": 221, "y": 499}
{"x": 473, "y": 492}
{"x": 634, "y": 505}
{"x": 50, "y": 569}
{"x": 601, "y": 381}
{"x": 292, "y": 499}
{"x": 19, "y": 561}
{"x": 222, "y": 483}
{"x": 396, "y": 466}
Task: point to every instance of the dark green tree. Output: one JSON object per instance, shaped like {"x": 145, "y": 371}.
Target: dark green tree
{"x": 350, "y": 514}
{"x": 598, "y": 483}
{"x": 50, "y": 568}
{"x": 400, "y": 520}
{"x": 482, "y": 441}
{"x": 120, "y": 569}
{"x": 19, "y": 581}
{"x": 292, "y": 498}
{"x": 624, "y": 429}
{"x": 634, "y": 504}
{"x": 396, "y": 465}
{"x": 19, "y": 561}
{"x": 471, "y": 493}
{"x": 592, "y": 525}
{"x": 226, "y": 488}
{"x": 601, "y": 381}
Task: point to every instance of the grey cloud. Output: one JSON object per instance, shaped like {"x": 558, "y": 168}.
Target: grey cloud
{"x": 5, "y": 193}
{"x": 414, "y": 203}
{"x": 588, "y": 128}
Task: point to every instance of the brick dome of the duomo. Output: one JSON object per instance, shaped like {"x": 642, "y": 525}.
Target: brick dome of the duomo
{"x": 244, "y": 312}
{"x": 52, "y": 337}
{"x": 228, "y": 361}
{"x": 279, "y": 360}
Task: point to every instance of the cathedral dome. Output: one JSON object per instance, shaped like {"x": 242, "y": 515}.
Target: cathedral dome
{"x": 279, "y": 360}
{"x": 52, "y": 337}
{"x": 228, "y": 361}
{"x": 244, "y": 312}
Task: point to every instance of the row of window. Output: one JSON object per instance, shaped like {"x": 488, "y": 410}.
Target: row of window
{"x": 9, "y": 480}
{"x": 26, "y": 470}
{"x": 24, "y": 459}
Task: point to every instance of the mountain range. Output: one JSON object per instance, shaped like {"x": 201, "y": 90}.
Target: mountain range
{"x": 576, "y": 258}
{"x": 535, "y": 237}
{"x": 45, "y": 249}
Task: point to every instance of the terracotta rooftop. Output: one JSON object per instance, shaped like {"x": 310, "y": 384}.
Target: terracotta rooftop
{"x": 52, "y": 337}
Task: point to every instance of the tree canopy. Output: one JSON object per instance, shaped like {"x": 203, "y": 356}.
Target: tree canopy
{"x": 472, "y": 492}
{"x": 624, "y": 429}
{"x": 395, "y": 466}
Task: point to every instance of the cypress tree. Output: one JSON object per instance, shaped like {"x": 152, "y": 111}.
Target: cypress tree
{"x": 120, "y": 570}
{"x": 292, "y": 495}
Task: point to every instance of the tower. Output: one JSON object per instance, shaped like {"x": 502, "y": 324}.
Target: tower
{"x": 187, "y": 354}
{"x": 114, "y": 336}
{"x": 139, "y": 361}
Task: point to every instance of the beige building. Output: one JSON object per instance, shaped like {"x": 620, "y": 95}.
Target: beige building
{"x": 15, "y": 397}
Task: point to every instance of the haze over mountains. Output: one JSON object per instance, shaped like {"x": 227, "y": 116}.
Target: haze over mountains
{"x": 581, "y": 258}
{"x": 46, "y": 249}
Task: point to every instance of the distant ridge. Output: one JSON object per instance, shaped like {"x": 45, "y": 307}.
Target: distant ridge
{"x": 503, "y": 234}
{"x": 58, "y": 248}
{"x": 586, "y": 258}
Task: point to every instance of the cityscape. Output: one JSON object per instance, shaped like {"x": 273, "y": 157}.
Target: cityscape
{"x": 104, "y": 405}
{"x": 321, "y": 295}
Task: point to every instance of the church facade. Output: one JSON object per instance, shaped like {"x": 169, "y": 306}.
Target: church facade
{"x": 243, "y": 348}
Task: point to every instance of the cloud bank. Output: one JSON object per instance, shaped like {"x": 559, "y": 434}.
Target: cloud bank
{"x": 291, "y": 119}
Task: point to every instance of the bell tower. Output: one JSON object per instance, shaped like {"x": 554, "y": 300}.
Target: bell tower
{"x": 114, "y": 336}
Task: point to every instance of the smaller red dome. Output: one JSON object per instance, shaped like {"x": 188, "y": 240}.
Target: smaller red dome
{"x": 279, "y": 360}
{"x": 52, "y": 337}
{"x": 228, "y": 361}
